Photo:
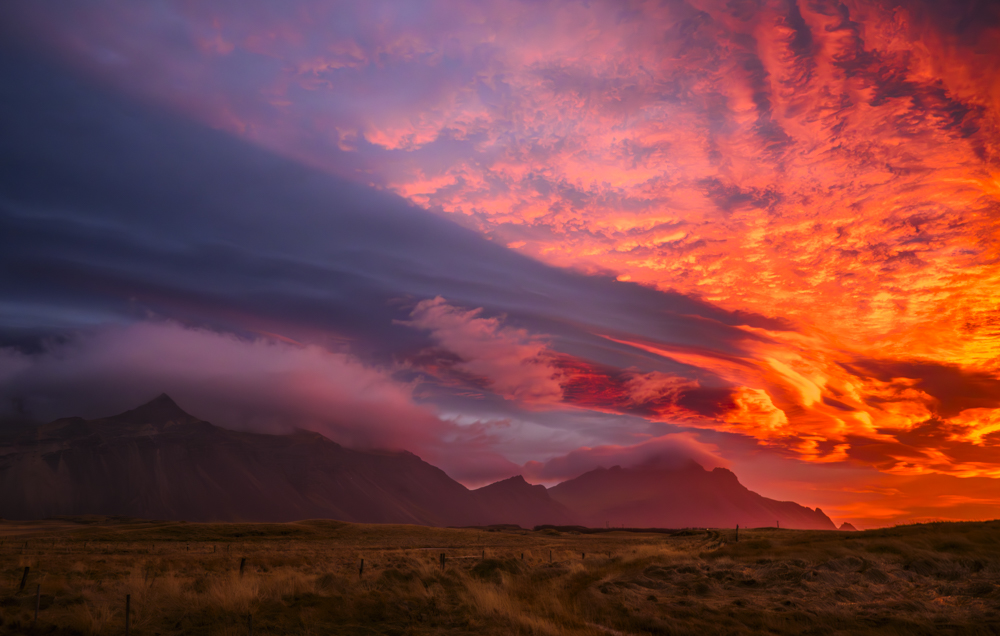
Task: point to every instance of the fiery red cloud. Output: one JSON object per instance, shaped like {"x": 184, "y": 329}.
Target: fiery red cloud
{"x": 832, "y": 164}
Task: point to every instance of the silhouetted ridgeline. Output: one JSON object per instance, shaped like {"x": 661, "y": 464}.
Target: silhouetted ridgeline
{"x": 158, "y": 462}
{"x": 686, "y": 497}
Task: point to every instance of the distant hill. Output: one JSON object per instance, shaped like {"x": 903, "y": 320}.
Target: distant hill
{"x": 158, "y": 462}
{"x": 689, "y": 496}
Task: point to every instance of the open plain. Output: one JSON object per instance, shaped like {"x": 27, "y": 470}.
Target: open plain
{"x": 307, "y": 578}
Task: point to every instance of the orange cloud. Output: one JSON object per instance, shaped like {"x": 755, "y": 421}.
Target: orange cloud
{"x": 835, "y": 164}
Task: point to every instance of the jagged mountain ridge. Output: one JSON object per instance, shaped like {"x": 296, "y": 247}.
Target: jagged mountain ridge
{"x": 159, "y": 462}
{"x": 516, "y": 501}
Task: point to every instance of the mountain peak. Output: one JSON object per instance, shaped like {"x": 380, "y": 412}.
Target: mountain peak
{"x": 514, "y": 500}
{"x": 160, "y": 410}
{"x": 517, "y": 481}
{"x": 162, "y": 399}
{"x": 678, "y": 498}
{"x": 724, "y": 472}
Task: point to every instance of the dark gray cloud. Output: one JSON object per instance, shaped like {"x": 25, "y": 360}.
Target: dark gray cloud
{"x": 113, "y": 210}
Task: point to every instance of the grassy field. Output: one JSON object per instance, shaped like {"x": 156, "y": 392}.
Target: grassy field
{"x": 303, "y": 578}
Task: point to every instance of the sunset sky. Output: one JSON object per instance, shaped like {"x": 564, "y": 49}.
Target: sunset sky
{"x": 523, "y": 237}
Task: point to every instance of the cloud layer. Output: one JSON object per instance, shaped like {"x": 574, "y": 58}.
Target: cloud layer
{"x": 256, "y": 384}
{"x": 766, "y": 220}
{"x": 668, "y": 451}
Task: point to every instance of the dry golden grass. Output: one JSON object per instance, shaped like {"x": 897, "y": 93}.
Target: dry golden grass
{"x": 303, "y": 578}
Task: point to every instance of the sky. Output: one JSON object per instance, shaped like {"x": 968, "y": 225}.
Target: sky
{"x": 522, "y": 237}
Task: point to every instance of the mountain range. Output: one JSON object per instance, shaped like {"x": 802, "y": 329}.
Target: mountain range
{"x": 159, "y": 462}
{"x": 687, "y": 496}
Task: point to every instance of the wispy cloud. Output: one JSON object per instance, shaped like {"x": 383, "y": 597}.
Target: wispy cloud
{"x": 674, "y": 450}
{"x": 257, "y": 384}
{"x": 776, "y": 220}
{"x": 484, "y": 352}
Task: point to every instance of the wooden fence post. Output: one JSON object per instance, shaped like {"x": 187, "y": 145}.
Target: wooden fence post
{"x": 737, "y": 533}
{"x": 442, "y": 561}
{"x": 243, "y": 563}
{"x": 361, "y": 570}
{"x": 24, "y": 579}
{"x": 550, "y": 556}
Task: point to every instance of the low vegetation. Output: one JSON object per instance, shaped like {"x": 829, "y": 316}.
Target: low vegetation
{"x": 307, "y": 578}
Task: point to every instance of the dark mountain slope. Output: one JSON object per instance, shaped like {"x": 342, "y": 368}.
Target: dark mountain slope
{"x": 678, "y": 498}
{"x": 157, "y": 461}
{"x": 516, "y": 501}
